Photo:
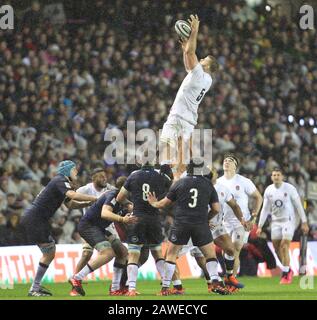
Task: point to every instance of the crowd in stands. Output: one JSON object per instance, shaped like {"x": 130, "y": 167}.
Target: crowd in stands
{"x": 62, "y": 86}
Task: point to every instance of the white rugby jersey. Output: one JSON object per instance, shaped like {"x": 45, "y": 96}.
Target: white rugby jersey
{"x": 241, "y": 188}
{"x": 90, "y": 190}
{"x": 224, "y": 195}
{"x": 282, "y": 203}
{"x": 190, "y": 94}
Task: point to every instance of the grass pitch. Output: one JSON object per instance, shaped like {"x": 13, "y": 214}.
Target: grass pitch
{"x": 196, "y": 289}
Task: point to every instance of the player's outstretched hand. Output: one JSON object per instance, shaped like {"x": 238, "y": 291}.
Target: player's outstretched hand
{"x": 129, "y": 219}
{"x": 305, "y": 228}
{"x": 151, "y": 198}
{"x": 194, "y": 22}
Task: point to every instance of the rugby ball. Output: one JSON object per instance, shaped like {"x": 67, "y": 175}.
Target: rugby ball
{"x": 183, "y": 28}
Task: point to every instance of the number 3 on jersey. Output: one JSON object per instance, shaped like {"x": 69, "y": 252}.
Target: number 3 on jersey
{"x": 193, "y": 204}
{"x": 146, "y": 190}
{"x": 202, "y": 92}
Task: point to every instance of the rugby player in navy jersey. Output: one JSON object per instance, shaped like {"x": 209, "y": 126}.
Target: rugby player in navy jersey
{"x": 147, "y": 231}
{"x": 192, "y": 195}
{"x": 35, "y": 223}
{"x": 92, "y": 229}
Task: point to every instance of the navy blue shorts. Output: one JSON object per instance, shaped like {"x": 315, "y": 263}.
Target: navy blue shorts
{"x": 35, "y": 229}
{"x": 199, "y": 233}
{"x": 147, "y": 231}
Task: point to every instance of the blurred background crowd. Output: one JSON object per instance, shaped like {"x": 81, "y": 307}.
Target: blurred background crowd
{"x": 68, "y": 75}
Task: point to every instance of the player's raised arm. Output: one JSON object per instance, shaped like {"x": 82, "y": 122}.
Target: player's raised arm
{"x": 191, "y": 45}
{"x": 183, "y": 42}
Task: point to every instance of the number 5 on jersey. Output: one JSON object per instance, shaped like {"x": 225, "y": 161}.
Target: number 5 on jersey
{"x": 193, "y": 204}
{"x": 146, "y": 190}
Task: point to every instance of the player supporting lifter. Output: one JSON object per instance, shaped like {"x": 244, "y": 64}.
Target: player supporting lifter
{"x": 147, "y": 231}
{"x": 282, "y": 201}
{"x": 184, "y": 112}
{"x": 220, "y": 237}
{"x": 92, "y": 228}
{"x": 241, "y": 188}
{"x": 96, "y": 188}
{"x": 35, "y": 223}
{"x": 192, "y": 196}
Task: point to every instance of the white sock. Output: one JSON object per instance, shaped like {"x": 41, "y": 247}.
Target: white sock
{"x": 160, "y": 266}
{"x": 132, "y": 275}
{"x": 169, "y": 269}
{"x": 177, "y": 282}
{"x": 83, "y": 272}
{"x": 212, "y": 268}
{"x": 41, "y": 270}
{"x": 116, "y": 277}
{"x": 285, "y": 268}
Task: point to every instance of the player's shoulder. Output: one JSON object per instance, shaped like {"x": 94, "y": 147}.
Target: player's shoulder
{"x": 269, "y": 188}
{"x": 243, "y": 179}
{"x": 87, "y": 188}
{"x": 289, "y": 186}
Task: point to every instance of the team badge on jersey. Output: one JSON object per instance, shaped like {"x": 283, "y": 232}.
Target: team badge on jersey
{"x": 222, "y": 194}
{"x": 134, "y": 239}
{"x": 285, "y": 194}
{"x": 173, "y": 237}
{"x": 237, "y": 188}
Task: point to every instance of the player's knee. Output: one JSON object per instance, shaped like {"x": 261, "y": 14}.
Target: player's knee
{"x": 119, "y": 249}
{"x": 229, "y": 250}
{"x": 104, "y": 248}
{"x": 284, "y": 245}
{"x": 86, "y": 254}
{"x": 48, "y": 250}
{"x": 144, "y": 256}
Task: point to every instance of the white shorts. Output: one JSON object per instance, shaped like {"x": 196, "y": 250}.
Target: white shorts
{"x": 174, "y": 128}
{"x": 237, "y": 233}
{"x": 218, "y": 231}
{"x": 282, "y": 230}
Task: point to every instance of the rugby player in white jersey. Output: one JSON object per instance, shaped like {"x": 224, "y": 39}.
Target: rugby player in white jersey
{"x": 282, "y": 201}
{"x": 184, "y": 112}
{"x": 241, "y": 189}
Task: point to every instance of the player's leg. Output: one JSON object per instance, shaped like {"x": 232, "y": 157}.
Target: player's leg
{"x": 154, "y": 238}
{"x": 37, "y": 231}
{"x": 119, "y": 265}
{"x": 224, "y": 242}
{"x": 156, "y": 251}
{"x": 216, "y": 285}
{"x": 105, "y": 254}
{"x": 179, "y": 236}
{"x": 134, "y": 251}
{"x": 168, "y": 141}
{"x": 86, "y": 254}
{"x": 238, "y": 235}
{"x": 276, "y": 236}
{"x": 202, "y": 238}
{"x": 287, "y": 234}
{"x": 48, "y": 255}
{"x": 169, "y": 266}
